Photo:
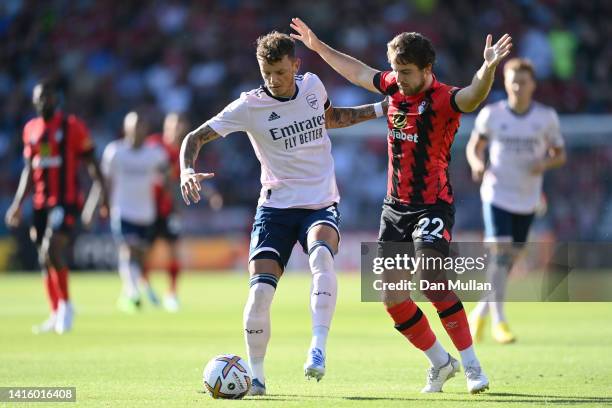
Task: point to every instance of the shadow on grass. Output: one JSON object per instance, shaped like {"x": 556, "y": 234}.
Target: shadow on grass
{"x": 557, "y": 399}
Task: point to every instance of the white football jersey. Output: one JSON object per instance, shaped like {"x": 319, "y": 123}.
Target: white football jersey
{"x": 290, "y": 141}
{"x": 516, "y": 142}
{"x": 133, "y": 173}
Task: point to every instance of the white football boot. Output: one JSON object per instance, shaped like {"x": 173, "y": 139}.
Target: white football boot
{"x": 315, "y": 364}
{"x": 65, "y": 316}
{"x": 477, "y": 381}
{"x": 47, "y": 326}
{"x": 257, "y": 388}
{"x": 437, "y": 376}
{"x": 171, "y": 303}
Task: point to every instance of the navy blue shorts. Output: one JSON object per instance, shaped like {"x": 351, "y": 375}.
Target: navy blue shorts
{"x": 500, "y": 223}
{"x": 131, "y": 233}
{"x": 276, "y": 230}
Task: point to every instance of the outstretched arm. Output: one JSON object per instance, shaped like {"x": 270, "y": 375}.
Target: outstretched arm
{"x": 190, "y": 180}
{"x": 343, "y": 117}
{"x": 468, "y": 98}
{"x": 352, "y": 69}
{"x": 13, "y": 214}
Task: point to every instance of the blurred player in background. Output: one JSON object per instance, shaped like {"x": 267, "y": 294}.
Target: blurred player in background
{"x": 167, "y": 224}
{"x": 131, "y": 169}
{"x": 423, "y": 118}
{"x": 524, "y": 140}
{"x": 286, "y": 121}
{"x": 54, "y": 143}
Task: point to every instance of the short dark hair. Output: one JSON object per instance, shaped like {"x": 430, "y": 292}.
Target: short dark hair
{"x": 520, "y": 64}
{"x": 273, "y": 46}
{"x": 411, "y": 48}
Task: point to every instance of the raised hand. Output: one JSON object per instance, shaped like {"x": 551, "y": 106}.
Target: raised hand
{"x": 190, "y": 185}
{"x": 304, "y": 34}
{"x": 494, "y": 54}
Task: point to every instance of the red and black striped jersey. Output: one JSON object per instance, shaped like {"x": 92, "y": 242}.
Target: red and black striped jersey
{"x": 165, "y": 198}
{"x": 421, "y": 129}
{"x": 54, "y": 149}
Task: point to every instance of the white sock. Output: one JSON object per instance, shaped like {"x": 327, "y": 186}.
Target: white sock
{"x": 319, "y": 337}
{"x": 497, "y": 312}
{"x": 257, "y": 368}
{"x": 481, "y": 309}
{"x": 437, "y": 355}
{"x": 468, "y": 357}
{"x": 129, "y": 289}
{"x": 135, "y": 272}
{"x": 323, "y": 294}
{"x": 257, "y": 321}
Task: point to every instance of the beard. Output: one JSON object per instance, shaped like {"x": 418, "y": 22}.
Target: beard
{"x": 413, "y": 90}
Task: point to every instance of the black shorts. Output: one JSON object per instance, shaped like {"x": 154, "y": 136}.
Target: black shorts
{"x": 59, "y": 218}
{"x": 166, "y": 227}
{"x": 426, "y": 225}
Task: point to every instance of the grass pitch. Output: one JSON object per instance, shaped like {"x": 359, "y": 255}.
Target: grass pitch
{"x": 563, "y": 356}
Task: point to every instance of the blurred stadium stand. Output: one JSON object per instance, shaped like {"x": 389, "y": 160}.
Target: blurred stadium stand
{"x": 113, "y": 56}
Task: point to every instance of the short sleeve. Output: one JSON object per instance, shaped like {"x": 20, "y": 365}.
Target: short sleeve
{"x": 163, "y": 157}
{"x": 452, "y": 95}
{"x": 385, "y": 82}
{"x": 554, "y": 131}
{"x": 324, "y": 96}
{"x": 108, "y": 158}
{"x": 481, "y": 124}
{"x": 83, "y": 141}
{"x": 234, "y": 118}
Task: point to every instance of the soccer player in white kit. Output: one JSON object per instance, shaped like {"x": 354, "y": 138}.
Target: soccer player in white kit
{"x": 524, "y": 140}
{"x": 131, "y": 169}
{"x": 286, "y": 121}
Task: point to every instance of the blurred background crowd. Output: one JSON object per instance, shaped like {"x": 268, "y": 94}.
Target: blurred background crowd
{"x": 194, "y": 57}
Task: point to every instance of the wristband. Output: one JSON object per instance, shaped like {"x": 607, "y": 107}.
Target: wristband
{"x": 378, "y": 110}
{"x": 188, "y": 170}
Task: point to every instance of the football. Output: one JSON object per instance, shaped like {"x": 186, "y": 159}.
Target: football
{"x": 227, "y": 376}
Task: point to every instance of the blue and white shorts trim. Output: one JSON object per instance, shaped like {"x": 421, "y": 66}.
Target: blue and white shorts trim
{"x": 131, "y": 233}
{"x": 276, "y": 230}
{"x": 505, "y": 226}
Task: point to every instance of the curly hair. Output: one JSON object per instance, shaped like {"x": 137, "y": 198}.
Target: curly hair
{"x": 273, "y": 46}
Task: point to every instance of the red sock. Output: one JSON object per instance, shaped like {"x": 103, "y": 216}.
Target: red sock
{"x": 49, "y": 282}
{"x": 61, "y": 284}
{"x": 412, "y": 323}
{"x": 173, "y": 272}
{"x": 455, "y": 323}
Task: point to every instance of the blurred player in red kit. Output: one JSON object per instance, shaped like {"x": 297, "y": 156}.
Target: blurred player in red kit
{"x": 54, "y": 144}
{"x": 167, "y": 225}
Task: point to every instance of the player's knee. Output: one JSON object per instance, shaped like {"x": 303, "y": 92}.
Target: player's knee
{"x": 261, "y": 293}
{"x": 320, "y": 257}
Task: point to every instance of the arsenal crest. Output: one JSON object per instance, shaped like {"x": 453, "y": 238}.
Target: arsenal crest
{"x": 312, "y": 101}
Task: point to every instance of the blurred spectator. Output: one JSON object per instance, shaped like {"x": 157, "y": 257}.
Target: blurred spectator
{"x": 197, "y": 56}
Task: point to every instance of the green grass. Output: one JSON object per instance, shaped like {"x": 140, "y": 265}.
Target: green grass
{"x": 563, "y": 356}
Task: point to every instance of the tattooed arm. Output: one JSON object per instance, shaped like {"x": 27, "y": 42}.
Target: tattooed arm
{"x": 190, "y": 180}
{"x": 343, "y": 117}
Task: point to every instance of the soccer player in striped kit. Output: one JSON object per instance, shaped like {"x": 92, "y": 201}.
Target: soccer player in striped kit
{"x": 54, "y": 144}
{"x": 524, "y": 140}
{"x": 286, "y": 120}
{"x": 422, "y": 120}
